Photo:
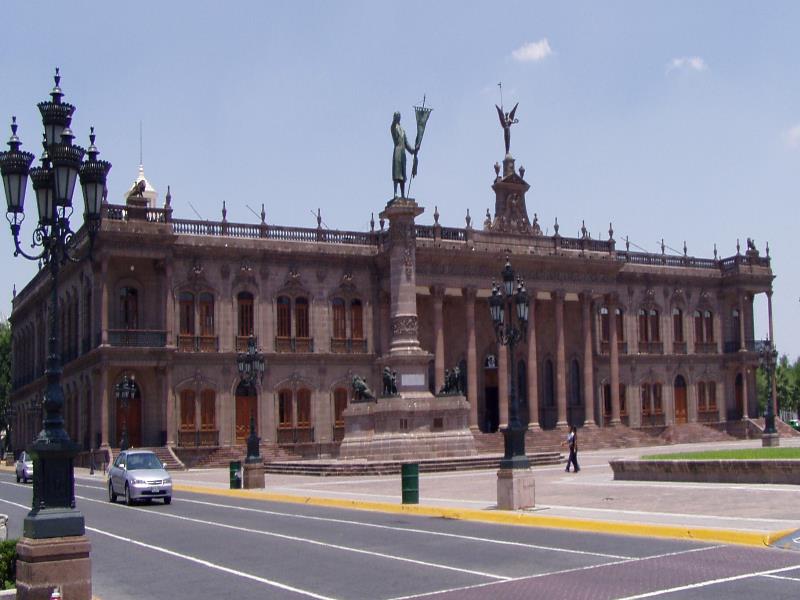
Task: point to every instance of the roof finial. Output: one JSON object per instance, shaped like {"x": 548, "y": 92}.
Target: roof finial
{"x": 662, "y": 246}
{"x": 584, "y": 232}
{"x": 684, "y": 247}
{"x": 436, "y": 215}
{"x": 168, "y": 199}
{"x": 767, "y": 249}
{"x": 224, "y": 212}
{"x": 263, "y": 214}
{"x": 555, "y": 227}
{"x": 627, "y": 243}
{"x": 468, "y": 219}
{"x": 610, "y": 232}
{"x": 14, "y": 291}
{"x": 738, "y": 247}
{"x": 372, "y": 221}
{"x": 319, "y": 219}
{"x": 715, "y": 250}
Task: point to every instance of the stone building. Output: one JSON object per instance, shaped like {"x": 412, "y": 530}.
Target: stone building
{"x": 616, "y": 338}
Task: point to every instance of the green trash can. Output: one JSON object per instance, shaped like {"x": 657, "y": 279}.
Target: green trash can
{"x": 236, "y": 474}
{"x": 410, "y": 477}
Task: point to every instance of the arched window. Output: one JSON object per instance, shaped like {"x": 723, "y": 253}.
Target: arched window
{"x": 701, "y": 397}
{"x": 649, "y": 330}
{"x": 284, "y": 317}
{"x": 186, "y": 313}
{"x": 206, "y": 308}
{"x": 301, "y": 318}
{"x": 339, "y": 319}
{"x": 604, "y": 331}
{"x": 647, "y": 407}
{"x": 207, "y": 410}
{"x": 711, "y": 390}
{"x": 737, "y": 332}
{"x": 357, "y": 319}
{"x": 245, "y": 315}
{"x": 187, "y": 410}
{"x": 708, "y": 326}
{"x": 658, "y": 407}
{"x": 129, "y": 307}
{"x": 303, "y": 408}
{"x": 677, "y": 325}
{"x": 339, "y": 404}
{"x": 618, "y": 314}
{"x": 698, "y": 327}
{"x": 285, "y": 409}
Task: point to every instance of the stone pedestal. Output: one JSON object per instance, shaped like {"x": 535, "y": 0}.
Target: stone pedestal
{"x": 412, "y": 426}
{"x": 770, "y": 440}
{"x": 515, "y": 489}
{"x": 253, "y": 478}
{"x": 43, "y": 564}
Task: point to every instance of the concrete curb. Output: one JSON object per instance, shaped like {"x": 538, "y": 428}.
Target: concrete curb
{"x": 679, "y": 532}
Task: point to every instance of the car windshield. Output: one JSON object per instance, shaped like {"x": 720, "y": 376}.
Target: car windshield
{"x": 143, "y": 461}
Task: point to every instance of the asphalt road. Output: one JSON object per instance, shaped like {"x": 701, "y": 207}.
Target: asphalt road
{"x": 222, "y": 547}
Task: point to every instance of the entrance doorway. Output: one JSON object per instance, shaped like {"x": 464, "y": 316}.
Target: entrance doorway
{"x": 491, "y": 398}
{"x": 246, "y": 405}
{"x": 680, "y": 400}
{"x": 739, "y": 392}
{"x": 131, "y": 417}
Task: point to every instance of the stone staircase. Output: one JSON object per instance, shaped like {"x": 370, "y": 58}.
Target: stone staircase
{"x": 592, "y": 438}
{"x": 784, "y": 429}
{"x": 687, "y": 433}
{"x": 223, "y": 456}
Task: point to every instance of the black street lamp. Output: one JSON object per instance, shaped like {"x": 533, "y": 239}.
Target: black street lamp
{"x": 125, "y": 391}
{"x": 53, "y": 511}
{"x": 768, "y": 357}
{"x": 501, "y": 306}
{"x": 251, "y": 363}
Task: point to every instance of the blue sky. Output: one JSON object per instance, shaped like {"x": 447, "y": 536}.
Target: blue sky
{"x": 678, "y": 120}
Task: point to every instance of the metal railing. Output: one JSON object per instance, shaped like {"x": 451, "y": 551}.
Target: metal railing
{"x": 749, "y": 346}
{"x": 137, "y": 338}
{"x": 705, "y": 347}
{"x": 651, "y": 347}
{"x": 286, "y": 344}
{"x": 679, "y": 348}
{"x": 198, "y": 343}
{"x": 348, "y": 346}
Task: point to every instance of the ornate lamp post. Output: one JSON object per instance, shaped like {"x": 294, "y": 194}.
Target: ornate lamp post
{"x": 53, "y": 513}
{"x": 768, "y": 357}
{"x": 251, "y": 367}
{"x": 503, "y": 303}
{"x": 125, "y": 390}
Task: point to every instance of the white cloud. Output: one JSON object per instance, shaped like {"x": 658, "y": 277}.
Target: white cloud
{"x": 691, "y": 63}
{"x": 533, "y": 51}
{"x": 792, "y": 137}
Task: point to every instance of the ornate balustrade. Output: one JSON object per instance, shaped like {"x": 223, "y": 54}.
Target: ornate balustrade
{"x": 137, "y": 338}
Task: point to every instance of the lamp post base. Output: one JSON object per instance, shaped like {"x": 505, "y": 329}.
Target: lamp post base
{"x": 770, "y": 440}
{"x": 514, "y": 445}
{"x": 43, "y": 564}
{"x": 253, "y": 478}
{"x": 515, "y": 489}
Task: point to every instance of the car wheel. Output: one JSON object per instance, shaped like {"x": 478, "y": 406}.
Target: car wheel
{"x": 112, "y": 497}
{"x": 128, "y": 499}
{"x": 167, "y": 499}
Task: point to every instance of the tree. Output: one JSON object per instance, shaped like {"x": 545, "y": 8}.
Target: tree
{"x": 5, "y": 374}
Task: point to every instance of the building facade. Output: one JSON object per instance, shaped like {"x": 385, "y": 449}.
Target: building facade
{"x": 615, "y": 337}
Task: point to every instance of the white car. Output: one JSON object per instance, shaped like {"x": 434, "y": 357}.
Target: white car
{"x": 138, "y": 475}
{"x": 24, "y": 467}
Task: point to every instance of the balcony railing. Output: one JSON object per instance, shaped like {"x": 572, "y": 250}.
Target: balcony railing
{"x": 137, "y": 338}
{"x": 651, "y": 347}
{"x": 749, "y": 345}
{"x": 194, "y": 438}
{"x": 198, "y": 343}
{"x": 242, "y": 341}
{"x": 679, "y": 347}
{"x": 705, "y": 347}
{"x": 285, "y": 344}
{"x": 348, "y": 346}
{"x": 295, "y": 435}
{"x": 622, "y": 347}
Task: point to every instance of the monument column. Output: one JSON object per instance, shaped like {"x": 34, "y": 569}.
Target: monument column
{"x": 104, "y": 301}
{"x": 561, "y": 377}
{"x": 169, "y": 305}
{"x": 533, "y": 367}
{"x": 104, "y": 400}
{"x": 405, "y": 352}
{"x": 437, "y": 292}
{"x": 588, "y": 359}
{"x": 742, "y": 341}
{"x": 170, "y": 406}
{"x": 472, "y": 357}
{"x": 772, "y": 341}
{"x": 613, "y": 351}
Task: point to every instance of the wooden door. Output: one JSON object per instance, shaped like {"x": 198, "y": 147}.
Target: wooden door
{"x": 680, "y": 400}
{"x": 245, "y": 406}
{"x": 132, "y": 417}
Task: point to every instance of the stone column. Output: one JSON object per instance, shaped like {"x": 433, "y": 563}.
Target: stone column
{"x": 169, "y": 307}
{"x": 561, "y": 375}
{"x": 104, "y": 401}
{"x": 502, "y": 383}
{"x": 742, "y": 341}
{"x": 588, "y": 359}
{"x": 438, "y": 330}
{"x": 613, "y": 351}
{"x": 745, "y": 411}
{"x": 472, "y": 357}
{"x": 170, "y": 406}
{"x": 104, "y": 301}
{"x": 533, "y": 366}
{"x": 772, "y": 339}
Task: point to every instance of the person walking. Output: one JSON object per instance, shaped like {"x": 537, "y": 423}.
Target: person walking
{"x": 572, "y": 442}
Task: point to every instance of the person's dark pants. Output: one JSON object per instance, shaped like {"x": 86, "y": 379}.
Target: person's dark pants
{"x": 573, "y": 460}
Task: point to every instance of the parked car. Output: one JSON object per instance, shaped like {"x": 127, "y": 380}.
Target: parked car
{"x": 138, "y": 475}
{"x": 24, "y": 467}
{"x": 795, "y": 424}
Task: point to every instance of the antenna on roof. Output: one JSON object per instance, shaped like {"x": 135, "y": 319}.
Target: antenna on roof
{"x": 258, "y": 216}
{"x": 199, "y": 216}
{"x": 500, "y": 85}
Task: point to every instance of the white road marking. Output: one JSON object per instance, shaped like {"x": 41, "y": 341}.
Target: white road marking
{"x": 22, "y": 506}
{"x": 797, "y": 579}
{"x": 392, "y": 528}
{"x": 211, "y": 565}
{"x": 694, "y": 586}
{"x": 303, "y": 540}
